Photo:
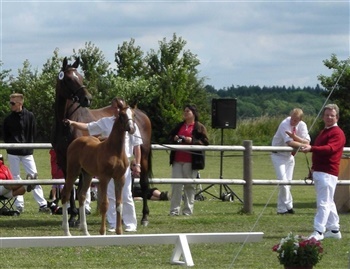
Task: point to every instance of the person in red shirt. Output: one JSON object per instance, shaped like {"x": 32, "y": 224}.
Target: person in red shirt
{"x": 185, "y": 164}
{"x": 56, "y": 173}
{"x": 327, "y": 151}
{"x": 9, "y": 191}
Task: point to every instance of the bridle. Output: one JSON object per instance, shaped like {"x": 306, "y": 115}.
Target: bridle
{"x": 74, "y": 92}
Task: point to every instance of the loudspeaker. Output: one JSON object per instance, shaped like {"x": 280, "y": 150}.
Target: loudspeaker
{"x": 223, "y": 113}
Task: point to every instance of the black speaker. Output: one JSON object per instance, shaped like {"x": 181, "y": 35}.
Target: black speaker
{"x": 223, "y": 113}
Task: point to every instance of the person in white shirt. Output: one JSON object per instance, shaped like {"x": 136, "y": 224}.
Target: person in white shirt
{"x": 292, "y": 132}
{"x": 102, "y": 128}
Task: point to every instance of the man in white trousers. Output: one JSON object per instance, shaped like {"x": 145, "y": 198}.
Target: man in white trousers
{"x": 292, "y": 132}
{"x": 20, "y": 127}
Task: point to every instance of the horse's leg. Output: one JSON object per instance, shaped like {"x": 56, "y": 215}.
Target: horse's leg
{"x": 65, "y": 196}
{"x": 103, "y": 183}
{"x": 144, "y": 182}
{"x": 86, "y": 180}
{"x": 65, "y": 225}
{"x": 118, "y": 187}
{"x": 73, "y": 222}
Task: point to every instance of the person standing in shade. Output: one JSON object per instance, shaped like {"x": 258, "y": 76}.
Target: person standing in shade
{"x": 292, "y": 132}
{"x": 327, "y": 152}
{"x": 186, "y": 164}
{"x": 20, "y": 127}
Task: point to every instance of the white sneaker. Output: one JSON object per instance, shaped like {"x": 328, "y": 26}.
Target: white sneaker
{"x": 130, "y": 229}
{"x": 20, "y": 209}
{"x": 111, "y": 230}
{"x": 330, "y": 234}
{"x": 317, "y": 236}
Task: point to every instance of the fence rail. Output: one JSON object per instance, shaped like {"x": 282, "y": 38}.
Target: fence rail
{"x": 247, "y": 180}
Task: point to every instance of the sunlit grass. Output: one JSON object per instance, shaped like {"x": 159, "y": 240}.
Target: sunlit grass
{"x": 211, "y": 215}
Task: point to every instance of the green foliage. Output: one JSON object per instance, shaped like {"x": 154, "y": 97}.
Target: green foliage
{"x": 175, "y": 76}
{"x": 165, "y": 80}
{"x": 95, "y": 71}
{"x": 254, "y": 101}
{"x": 339, "y": 84}
{"x": 129, "y": 60}
{"x": 5, "y": 92}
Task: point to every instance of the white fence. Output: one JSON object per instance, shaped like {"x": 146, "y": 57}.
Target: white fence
{"x": 247, "y": 182}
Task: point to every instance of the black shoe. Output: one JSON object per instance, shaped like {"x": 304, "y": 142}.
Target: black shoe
{"x": 289, "y": 211}
{"x": 30, "y": 188}
{"x": 164, "y": 196}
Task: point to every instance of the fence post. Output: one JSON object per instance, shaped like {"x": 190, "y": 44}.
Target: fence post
{"x": 247, "y": 176}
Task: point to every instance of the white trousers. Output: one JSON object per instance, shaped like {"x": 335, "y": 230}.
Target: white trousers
{"x": 182, "y": 170}
{"x": 128, "y": 213}
{"x": 284, "y": 168}
{"x": 326, "y": 218}
{"x": 30, "y": 168}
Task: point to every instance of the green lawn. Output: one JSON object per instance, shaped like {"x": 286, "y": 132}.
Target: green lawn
{"x": 211, "y": 215}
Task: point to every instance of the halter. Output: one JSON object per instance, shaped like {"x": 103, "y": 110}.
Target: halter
{"x": 74, "y": 96}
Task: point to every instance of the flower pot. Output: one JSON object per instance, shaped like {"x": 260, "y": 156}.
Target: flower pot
{"x": 298, "y": 267}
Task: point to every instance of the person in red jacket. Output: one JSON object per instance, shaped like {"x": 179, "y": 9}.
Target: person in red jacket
{"x": 327, "y": 151}
{"x": 9, "y": 191}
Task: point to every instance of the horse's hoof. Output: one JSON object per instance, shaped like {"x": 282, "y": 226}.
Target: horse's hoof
{"x": 144, "y": 223}
{"x": 74, "y": 224}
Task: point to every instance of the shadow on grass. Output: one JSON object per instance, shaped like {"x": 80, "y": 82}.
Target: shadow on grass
{"x": 27, "y": 223}
{"x": 309, "y": 205}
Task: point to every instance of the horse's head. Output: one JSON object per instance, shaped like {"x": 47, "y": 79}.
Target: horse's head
{"x": 125, "y": 114}
{"x": 70, "y": 84}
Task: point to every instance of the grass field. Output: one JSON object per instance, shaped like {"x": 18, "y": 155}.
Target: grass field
{"x": 211, "y": 215}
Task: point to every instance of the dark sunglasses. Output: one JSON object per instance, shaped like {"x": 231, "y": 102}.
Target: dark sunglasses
{"x": 12, "y": 103}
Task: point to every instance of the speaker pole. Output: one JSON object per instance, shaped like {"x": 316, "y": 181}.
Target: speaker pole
{"x": 221, "y": 158}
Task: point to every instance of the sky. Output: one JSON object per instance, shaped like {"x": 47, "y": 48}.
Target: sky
{"x": 260, "y": 43}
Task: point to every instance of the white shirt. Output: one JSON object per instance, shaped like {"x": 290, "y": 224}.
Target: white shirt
{"x": 281, "y": 138}
{"x": 104, "y": 126}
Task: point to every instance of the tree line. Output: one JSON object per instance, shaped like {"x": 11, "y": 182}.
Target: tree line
{"x": 161, "y": 82}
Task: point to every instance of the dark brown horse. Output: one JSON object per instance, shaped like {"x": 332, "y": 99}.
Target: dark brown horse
{"x": 89, "y": 156}
{"x": 71, "y": 102}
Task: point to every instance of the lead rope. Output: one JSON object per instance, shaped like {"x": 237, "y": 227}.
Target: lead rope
{"x": 307, "y": 161}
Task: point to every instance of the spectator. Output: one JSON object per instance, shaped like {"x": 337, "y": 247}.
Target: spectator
{"x": 56, "y": 173}
{"x": 326, "y": 155}
{"x": 9, "y": 191}
{"x": 20, "y": 127}
{"x": 292, "y": 132}
{"x": 152, "y": 193}
{"x": 186, "y": 164}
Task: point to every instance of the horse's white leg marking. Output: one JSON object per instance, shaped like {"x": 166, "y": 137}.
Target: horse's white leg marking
{"x": 120, "y": 209}
{"x": 83, "y": 225}
{"x": 65, "y": 225}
